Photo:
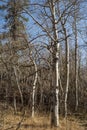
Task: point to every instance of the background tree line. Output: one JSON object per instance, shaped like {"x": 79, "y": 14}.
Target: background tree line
{"x": 43, "y": 60}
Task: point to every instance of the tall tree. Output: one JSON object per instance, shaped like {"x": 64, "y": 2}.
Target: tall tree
{"x": 55, "y": 70}
{"x": 76, "y": 10}
{"x": 14, "y": 18}
{"x": 16, "y": 30}
{"x": 67, "y": 64}
{"x": 49, "y": 14}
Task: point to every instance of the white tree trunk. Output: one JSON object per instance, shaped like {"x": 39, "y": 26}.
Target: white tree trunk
{"x": 56, "y": 60}
{"x": 57, "y": 88}
{"x": 34, "y": 87}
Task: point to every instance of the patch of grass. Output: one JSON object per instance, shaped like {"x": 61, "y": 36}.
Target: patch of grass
{"x": 40, "y": 122}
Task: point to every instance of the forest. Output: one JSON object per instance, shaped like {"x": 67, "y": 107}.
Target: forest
{"x": 43, "y": 65}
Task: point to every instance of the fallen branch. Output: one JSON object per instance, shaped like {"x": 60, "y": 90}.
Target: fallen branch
{"x": 19, "y": 124}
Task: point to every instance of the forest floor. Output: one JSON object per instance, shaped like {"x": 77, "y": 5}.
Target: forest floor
{"x": 22, "y": 121}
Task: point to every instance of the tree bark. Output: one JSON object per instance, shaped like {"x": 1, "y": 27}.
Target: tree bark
{"x": 17, "y": 81}
{"x": 33, "y": 92}
{"x": 76, "y": 59}
{"x": 67, "y": 72}
{"x": 55, "y": 114}
{"x": 15, "y": 105}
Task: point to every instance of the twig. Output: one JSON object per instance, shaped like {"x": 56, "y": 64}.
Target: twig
{"x": 19, "y": 124}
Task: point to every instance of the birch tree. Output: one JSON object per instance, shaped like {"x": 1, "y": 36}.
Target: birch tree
{"x": 34, "y": 86}
{"x": 67, "y": 65}
{"x": 49, "y": 13}
{"x": 55, "y": 115}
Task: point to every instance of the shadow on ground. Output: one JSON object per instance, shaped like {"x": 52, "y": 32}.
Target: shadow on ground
{"x": 34, "y": 126}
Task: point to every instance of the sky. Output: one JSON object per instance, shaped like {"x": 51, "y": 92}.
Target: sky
{"x": 2, "y": 14}
{"x": 34, "y": 30}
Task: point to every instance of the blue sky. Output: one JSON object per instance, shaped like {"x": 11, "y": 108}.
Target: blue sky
{"x": 2, "y": 21}
{"x": 34, "y": 30}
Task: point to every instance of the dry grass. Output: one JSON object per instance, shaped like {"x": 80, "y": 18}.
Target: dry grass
{"x": 41, "y": 122}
